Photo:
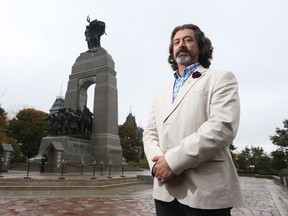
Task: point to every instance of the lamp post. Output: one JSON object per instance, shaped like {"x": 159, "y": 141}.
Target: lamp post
{"x": 63, "y": 164}
{"x": 101, "y": 167}
{"x": 29, "y": 161}
{"x": 252, "y": 167}
{"x": 110, "y": 165}
{"x": 94, "y": 168}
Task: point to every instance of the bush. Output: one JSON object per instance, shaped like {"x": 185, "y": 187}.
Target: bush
{"x": 144, "y": 164}
{"x": 140, "y": 163}
{"x": 132, "y": 163}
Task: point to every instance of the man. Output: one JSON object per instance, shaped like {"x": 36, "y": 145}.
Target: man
{"x": 191, "y": 125}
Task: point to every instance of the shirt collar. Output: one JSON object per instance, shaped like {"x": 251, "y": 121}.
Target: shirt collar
{"x": 188, "y": 70}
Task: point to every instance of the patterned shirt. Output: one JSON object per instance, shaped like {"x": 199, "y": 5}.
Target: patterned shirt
{"x": 179, "y": 81}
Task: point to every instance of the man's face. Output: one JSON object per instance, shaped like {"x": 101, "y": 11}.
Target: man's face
{"x": 185, "y": 47}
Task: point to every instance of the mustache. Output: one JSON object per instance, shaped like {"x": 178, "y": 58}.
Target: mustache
{"x": 182, "y": 49}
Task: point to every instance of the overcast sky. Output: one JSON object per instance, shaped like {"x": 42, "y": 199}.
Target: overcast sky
{"x": 41, "y": 39}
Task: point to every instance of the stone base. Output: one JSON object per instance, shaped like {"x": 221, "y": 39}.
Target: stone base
{"x": 75, "y": 152}
{"x": 107, "y": 148}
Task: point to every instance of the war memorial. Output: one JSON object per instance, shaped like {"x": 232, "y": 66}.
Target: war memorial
{"x": 79, "y": 136}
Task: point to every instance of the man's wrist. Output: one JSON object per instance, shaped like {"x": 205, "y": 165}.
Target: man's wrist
{"x": 152, "y": 170}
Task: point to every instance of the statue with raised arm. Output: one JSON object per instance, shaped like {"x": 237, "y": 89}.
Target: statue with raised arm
{"x": 93, "y": 32}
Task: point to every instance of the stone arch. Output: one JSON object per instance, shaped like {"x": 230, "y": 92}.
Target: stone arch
{"x": 84, "y": 85}
{"x": 97, "y": 68}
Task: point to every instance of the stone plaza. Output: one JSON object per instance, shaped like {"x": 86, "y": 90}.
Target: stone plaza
{"x": 262, "y": 197}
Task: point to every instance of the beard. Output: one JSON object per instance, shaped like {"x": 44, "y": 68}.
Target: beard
{"x": 184, "y": 59}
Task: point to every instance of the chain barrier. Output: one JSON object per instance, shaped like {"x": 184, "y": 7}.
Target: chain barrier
{"x": 63, "y": 164}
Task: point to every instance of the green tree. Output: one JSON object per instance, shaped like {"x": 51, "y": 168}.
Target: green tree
{"x": 256, "y": 154}
{"x": 279, "y": 160}
{"x": 242, "y": 162}
{"x": 131, "y": 139}
{"x": 281, "y": 137}
{"x": 244, "y": 159}
{"x": 28, "y": 128}
{"x": 3, "y": 120}
{"x": 254, "y": 159}
{"x": 280, "y": 156}
{"x": 4, "y": 138}
{"x": 234, "y": 156}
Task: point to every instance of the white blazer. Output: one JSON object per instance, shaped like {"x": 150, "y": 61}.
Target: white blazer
{"x": 194, "y": 133}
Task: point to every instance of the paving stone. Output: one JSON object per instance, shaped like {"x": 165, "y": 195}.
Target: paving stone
{"x": 262, "y": 197}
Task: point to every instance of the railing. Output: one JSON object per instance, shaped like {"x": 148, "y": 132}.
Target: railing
{"x": 64, "y": 167}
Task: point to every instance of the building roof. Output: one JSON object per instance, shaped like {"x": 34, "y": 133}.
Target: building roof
{"x": 6, "y": 147}
{"x": 58, "y": 104}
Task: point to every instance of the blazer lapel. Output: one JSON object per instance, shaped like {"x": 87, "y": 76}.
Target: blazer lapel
{"x": 190, "y": 82}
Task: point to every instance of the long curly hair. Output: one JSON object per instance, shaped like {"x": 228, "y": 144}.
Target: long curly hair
{"x": 204, "y": 45}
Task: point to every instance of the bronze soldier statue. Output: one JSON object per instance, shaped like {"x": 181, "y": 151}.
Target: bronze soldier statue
{"x": 93, "y": 32}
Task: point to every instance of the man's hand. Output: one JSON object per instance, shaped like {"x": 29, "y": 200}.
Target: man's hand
{"x": 176, "y": 180}
{"x": 161, "y": 169}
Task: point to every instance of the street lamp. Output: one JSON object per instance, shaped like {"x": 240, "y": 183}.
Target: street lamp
{"x": 122, "y": 165}
{"x": 63, "y": 164}
{"x": 94, "y": 167}
{"x": 101, "y": 167}
{"x": 252, "y": 167}
{"x": 110, "y": 165}
{"x": 29, "y": 161}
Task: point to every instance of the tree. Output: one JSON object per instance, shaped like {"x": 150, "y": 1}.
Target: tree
{"x": 3, "y": 120}
{"x": 261, "y": 161}
{"x": 254, "y": 159}
{"x": 28, "y": 128}
{"x": 242, "y": 163}
{"x": 131, "y": 139}
{"x": 281, "y": 137}
{"x": 4, "y": 138}
{"x": 244, "y": 159}
{"x": 233, "y": 155}
{"x": 279, "y": 160}
{"x": 281, "y": 140}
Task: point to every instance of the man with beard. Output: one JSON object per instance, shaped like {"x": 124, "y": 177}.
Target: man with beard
{"x": 193, "y": 121}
